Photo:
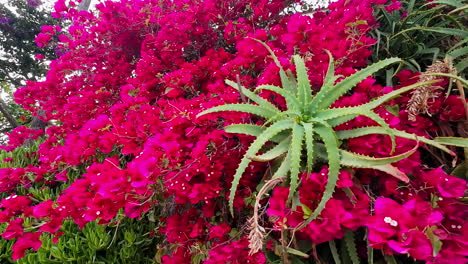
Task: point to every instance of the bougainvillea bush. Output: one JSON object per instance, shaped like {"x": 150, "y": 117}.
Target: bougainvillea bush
{"x": 127, "y": 153}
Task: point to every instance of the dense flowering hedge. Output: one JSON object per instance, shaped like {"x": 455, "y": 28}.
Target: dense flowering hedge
{"x": 123, "y": 98}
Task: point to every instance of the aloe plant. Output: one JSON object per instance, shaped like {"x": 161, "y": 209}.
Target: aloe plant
{"x": 307, "y": 124}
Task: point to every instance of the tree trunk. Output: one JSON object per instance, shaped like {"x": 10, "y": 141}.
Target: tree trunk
{"x": 7, "y": 115}
{"x": 84, "y": 5}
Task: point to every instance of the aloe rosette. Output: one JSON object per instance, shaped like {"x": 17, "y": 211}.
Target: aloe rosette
{"x": 308, "y": 124}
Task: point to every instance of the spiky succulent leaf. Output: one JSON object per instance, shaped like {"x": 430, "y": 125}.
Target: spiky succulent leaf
{"x": 329, "y": 139}
{"x": 246, "y": 129}
{"x": 362, "y": 131}
{"x": 286, "y": 82}
{"x": 453, "y": 141}
{"x": 351, "y": 247}
{"x": 295, "y": 149}
{"x": 275, "y": 152}
{"x": 332, "y": 94}
{"x": 330, "y": 114}
{"x": 304, "y": 89}
{"x": 371, "y": 105}
{"x": 266, "y": 136}
{"x": 253, "y": 96}
{"x": 309, "y": 144}
{"x": 330, "y": 77}
{"x": 292, "y": 102}
{"x": 284, "y": 168}
{"x": 245, "y": 108}
{"x": 334, "y": 251}
{"x": 354, "y": 160}
{"x": 393, "y": 94}
{"x": 458, "y": 78}
{"x": 328, "y": 83}
{"x": 253, "y": 130}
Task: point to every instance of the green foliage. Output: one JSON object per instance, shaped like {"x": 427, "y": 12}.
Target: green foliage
{"x": 125, "y": 241}
{"x": 428, "y": 32}
{"x": 307, "y": 124}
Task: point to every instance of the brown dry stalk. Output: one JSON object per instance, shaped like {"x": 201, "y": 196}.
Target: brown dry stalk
{"x": 420, "y": 97}
{"x": 257, "y": 232}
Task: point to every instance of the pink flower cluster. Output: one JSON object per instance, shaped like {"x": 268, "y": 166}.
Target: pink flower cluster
{"x": 125, "y": 93}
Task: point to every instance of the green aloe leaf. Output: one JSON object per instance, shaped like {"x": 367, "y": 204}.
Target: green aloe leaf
{"x": 275, "y": 152}
{"x": 245, "y": 108}
{"x": 329, "y": 114}
{"x": 357, "y": 132}
{"x": 459, "y": 52}
{"x": 349, "y": 82}
{"x": 354, "y": 160}
{"x": 291, "y": 101}
{"x": 453, "y": 141}
{"x": 285, "y": 81}
{"x": 328, "y": 83}
{"x": 333, "y": 154}
{"x": 334, "y": 251}
{"x": 295, "y": 150}
{"x": 266, "y": 136}
{"x": 309, "y": 143}
{"x": 463, "y": 81}
{"x": 246, "y": 129}
{"x": 393, "y": 94}
{"x": 253, "y": 96}
{"x": 284, "y": 168}
{"x": 351, "y": 247}
{"x": 304, "y": 90}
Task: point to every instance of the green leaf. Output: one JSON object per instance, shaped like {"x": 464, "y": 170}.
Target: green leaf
{"x": 309, "y": 144}
{"x": 435, "y": 241}
{"x": 453, "y": 3}
{"x": 253, "y": 149}
{"x": 393, "y": 94}
{"x": 462, "y": 65}
{"x": 328, "y": 83}
{"x": 245, "y": 108}
{"x": 275, "y": 152}
{"x": 253, "y": 96}
{"x": 295, "y": 149}
{"x": 351, "y": 246}
{"x": 333, "y": 113}
{"x": 296, "y": 252}
{"x": 291, "y": 101}
{"x": 304, "y": 90}
{"x": 247, "y": 129}
{"x": 285, "y": 81}
{"x": 390, "y": 259}
{"x": 463, "y": 81}
{"x": 349, "y": 82}
{"x": 440, "y": 30}
{"x": 284, "y": 168}
{"x": 353, "y": 160}
{"x": 357, "y": 132}
{"x": 329, "y": 139}
{"x": 453, "y": 141}
{"x": 459, "y": 52}
{"x": 334, "y": 251}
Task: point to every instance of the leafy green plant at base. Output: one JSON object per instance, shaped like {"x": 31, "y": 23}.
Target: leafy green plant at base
{"x": 124, "y": 243}
{"x": 306, "y": 126}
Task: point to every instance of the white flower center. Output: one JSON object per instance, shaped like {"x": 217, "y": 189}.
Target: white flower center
{"x": 390, "y": 221}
